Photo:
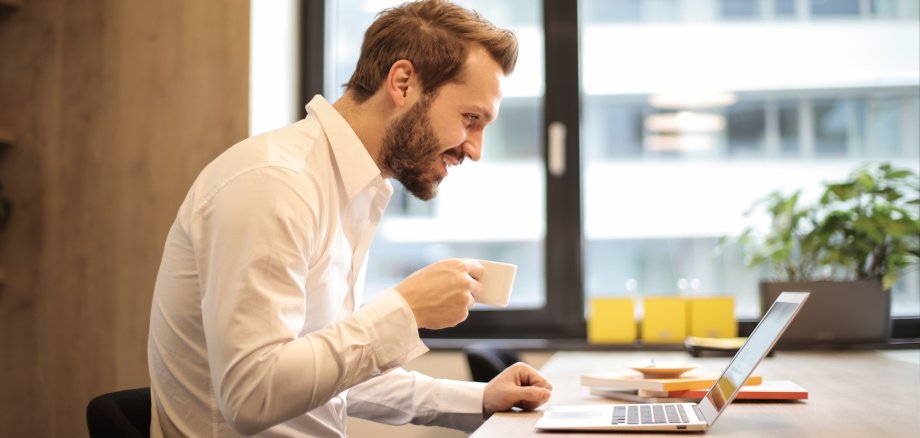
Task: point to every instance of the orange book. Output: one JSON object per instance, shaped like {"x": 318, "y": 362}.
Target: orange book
{"x": 636, "y": 381}
{"x": 767, "y": 390}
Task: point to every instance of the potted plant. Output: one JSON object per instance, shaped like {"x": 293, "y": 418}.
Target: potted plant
{"x": 848, "y": 248}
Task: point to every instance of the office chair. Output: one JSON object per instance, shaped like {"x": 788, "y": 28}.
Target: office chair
{"x": 489, "y": 358}
{"x": 120, "y": 414}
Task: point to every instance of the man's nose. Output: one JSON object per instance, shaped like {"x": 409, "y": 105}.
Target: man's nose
{"x": 472, "y": 147}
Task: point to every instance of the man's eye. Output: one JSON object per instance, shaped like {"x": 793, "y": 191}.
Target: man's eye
{"x": 471, "y": 118}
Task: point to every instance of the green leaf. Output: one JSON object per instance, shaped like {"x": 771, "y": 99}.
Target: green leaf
{"x": 889, "y": 279}
{"x": 864, "y": 180}
{"x": 899, "y": 174}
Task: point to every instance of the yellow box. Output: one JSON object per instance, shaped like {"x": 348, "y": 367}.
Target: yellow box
{"x": 664, "y": 320}
{"x": 611, "y": 320}
{"x": 712, "y": 317}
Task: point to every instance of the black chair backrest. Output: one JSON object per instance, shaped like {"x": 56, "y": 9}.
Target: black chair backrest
{"x": 120, "y": 414}
{"x": 488, "y": 358}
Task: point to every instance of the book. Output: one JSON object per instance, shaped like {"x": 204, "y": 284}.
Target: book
{"x": 730, "y": 344}
{"x": 636, "y": 381}
{"x": 766, "y": 390}
{"x": 632, "y": 395}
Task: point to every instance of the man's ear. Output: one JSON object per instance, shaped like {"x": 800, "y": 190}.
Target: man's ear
{"x": 401, "y": 79}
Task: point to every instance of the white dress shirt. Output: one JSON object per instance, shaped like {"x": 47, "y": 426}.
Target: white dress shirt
{"x": 253, "y": 326}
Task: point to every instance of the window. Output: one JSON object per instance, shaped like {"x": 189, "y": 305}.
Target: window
{"x": 746, "y": 128}
{"x": 834, "y": 8}
{"x": 470, "y": 216}
{"x": 671, "y": 133}
{"x": 733, "y": 9}
{"x": 685, "y": 127}
{"x": 784, "y": 8}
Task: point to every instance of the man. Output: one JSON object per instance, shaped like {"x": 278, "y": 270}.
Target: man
{"x": 254, "y": 326}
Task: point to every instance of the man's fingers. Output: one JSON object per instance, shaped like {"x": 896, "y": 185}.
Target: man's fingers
{"x": 474, "y": 268}
{"x": 512, "y": 388}
{"x": 528, "y": 376}
{"x": 534, "y": 378}
{"x": 532, "y": 397}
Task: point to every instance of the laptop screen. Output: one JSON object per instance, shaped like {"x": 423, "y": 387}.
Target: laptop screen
{"x": 751, "y": 353}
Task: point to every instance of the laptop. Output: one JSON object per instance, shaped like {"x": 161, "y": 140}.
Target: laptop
{"x": 681, "y": 417}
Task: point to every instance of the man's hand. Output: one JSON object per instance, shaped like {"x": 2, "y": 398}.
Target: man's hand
{"x": 441, "y": 294}
{"x": 517, "y": 386}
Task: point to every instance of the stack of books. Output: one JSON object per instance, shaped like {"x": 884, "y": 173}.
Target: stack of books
{"x": 636, "y": 388}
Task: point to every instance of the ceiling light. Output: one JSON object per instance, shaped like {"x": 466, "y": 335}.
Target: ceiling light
{"x": 698, "y": 100}
{"x": 679, "y": 143}
{"x": 685, "y": 121}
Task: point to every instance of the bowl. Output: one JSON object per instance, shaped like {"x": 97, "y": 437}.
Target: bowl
{"x": 661, "y": 370}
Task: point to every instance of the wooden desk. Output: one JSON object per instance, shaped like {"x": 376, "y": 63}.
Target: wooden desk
{"x": 851, "y": 394}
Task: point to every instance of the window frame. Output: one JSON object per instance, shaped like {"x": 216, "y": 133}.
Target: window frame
{"x": 562, "y": 315}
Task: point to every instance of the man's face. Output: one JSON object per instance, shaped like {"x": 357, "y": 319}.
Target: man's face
{"x": 442, "y": 129}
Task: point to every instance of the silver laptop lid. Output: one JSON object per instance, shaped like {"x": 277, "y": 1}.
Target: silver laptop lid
{"x": 762, "y": 339}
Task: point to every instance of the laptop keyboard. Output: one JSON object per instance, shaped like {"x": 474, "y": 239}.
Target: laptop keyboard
{"x": 649, "y": 414}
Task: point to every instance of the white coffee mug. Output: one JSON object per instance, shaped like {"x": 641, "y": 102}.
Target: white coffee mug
{"x": 497, "y": 279}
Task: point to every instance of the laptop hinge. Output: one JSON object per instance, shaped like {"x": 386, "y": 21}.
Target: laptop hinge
{"x": 699, "y": 414}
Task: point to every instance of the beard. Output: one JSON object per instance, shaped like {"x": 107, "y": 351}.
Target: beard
{"x": 410, "y": 151}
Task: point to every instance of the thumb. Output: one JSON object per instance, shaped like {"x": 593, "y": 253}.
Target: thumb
{"x": 531, "y": 397}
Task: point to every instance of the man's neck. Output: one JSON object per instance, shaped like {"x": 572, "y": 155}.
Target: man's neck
{"x": 368, "y": 121}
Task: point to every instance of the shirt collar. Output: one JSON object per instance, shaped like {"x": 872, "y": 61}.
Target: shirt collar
{"x": 355, "y": 164}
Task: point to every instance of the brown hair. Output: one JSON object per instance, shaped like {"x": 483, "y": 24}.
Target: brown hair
{"x": 435, "y": 36}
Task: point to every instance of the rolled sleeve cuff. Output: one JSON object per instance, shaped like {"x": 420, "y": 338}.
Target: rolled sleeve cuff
{"x": 392, "y": 325}
{"x": 460, "y": 404}
{"x": 460, "y": 397}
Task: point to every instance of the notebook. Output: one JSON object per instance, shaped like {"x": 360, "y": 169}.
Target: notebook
{"x": 685, "y": 416}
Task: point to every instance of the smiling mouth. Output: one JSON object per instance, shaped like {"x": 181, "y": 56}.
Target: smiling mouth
{"x": 452, "y": 157}
{"x": 448, "y": 162}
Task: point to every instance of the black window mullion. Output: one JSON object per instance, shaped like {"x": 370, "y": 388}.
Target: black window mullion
{"x": 563, "y": 314}
{"x": 312, "y": 51}
{"x": 564, "y": 279}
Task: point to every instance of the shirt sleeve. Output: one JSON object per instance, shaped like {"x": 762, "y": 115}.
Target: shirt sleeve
{"x": 400, "y": 397}
{"x": 253, "y": 240}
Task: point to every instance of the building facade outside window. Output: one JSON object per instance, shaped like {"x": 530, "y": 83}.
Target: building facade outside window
{"x": 688, "y": 111}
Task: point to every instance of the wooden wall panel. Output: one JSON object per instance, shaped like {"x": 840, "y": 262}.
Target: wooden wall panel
{"x": 29, "y": 109}
{"x": 116, "y": 107}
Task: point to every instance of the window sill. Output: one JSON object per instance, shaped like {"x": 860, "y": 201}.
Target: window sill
{"x": 905, "y": 334}
{"x": 442, "y": 344}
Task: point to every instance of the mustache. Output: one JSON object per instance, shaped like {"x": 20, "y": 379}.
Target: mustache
{"x": 457, "y": 153}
